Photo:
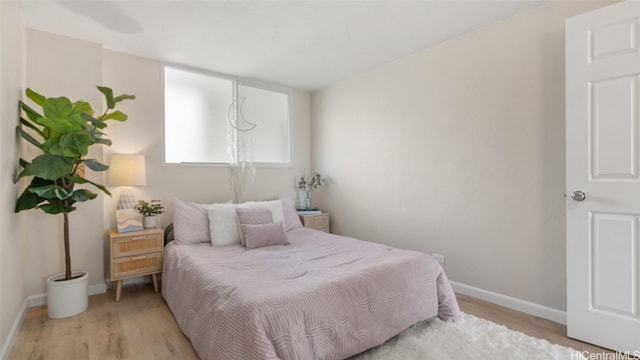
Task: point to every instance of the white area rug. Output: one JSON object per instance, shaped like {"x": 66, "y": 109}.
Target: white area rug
{"x": 468, "y": 338}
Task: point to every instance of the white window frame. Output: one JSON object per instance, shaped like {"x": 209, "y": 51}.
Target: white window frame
{"x": 236, "y": 81}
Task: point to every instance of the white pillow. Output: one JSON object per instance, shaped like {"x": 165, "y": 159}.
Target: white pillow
{"x": 275, "y": 206}
{"x": 223, "y": 226}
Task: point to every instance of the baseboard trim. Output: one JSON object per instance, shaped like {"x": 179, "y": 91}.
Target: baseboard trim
{"x": 524, "y": 306}
{"x": 17, "y": 324}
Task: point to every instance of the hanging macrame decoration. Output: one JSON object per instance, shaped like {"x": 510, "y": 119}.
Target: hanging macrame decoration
{"x": 241, "y": 143}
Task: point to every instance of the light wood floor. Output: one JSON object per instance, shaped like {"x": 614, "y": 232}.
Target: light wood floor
{"x": 141, "y": 327}
{"x": 525, "y": 323}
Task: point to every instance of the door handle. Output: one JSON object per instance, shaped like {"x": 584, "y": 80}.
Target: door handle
{"x": 578, "y": 195}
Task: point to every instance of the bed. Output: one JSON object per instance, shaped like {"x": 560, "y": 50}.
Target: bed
{"x": 322, "y": 296}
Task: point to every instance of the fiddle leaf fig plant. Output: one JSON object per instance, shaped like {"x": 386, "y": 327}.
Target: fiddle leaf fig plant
{"x": 63, "y": 131}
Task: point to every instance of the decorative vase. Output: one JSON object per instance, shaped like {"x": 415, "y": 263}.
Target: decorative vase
{"x": 150, "y": 221}
{"x": 306, "y": 202}
{"x": 67, "y": 298}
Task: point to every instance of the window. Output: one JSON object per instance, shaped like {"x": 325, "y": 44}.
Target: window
{"x": 197, "y": 126}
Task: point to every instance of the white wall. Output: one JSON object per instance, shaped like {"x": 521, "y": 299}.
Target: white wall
{"x": 458, "y": 150}
{"x": 12, "y": 243}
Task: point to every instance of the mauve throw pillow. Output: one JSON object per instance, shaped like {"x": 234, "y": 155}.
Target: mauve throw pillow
{"x": 274, "y": 205}
{"x": 252, "y": 216}
{"x": 190, "y": 222}
{"x": 256, "y": 236}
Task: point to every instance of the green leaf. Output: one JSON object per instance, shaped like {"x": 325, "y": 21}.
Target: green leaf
{"x": 94, "y": 165}
{"x": 103, "y": 141}
{"x": 83, "y": 195}
{"x": 108, "y": 96}
{"x": 116, "y": 115}
{"x": 31, "y": 114}
{"x": 117, "y": 99}
{"x": 35, "y": 97}
{"x": 50, "y": 167}
{"x": 57, "y": 108}
{"x": 71, "y": 145}
{"x": 52, "y": 192}
{"x": 28, "y": 200}
{"x": 28, "y": 137}
{"x": 77, "y": 179}
{"x": 23, "y": 173}
{"x": 79, "y": 110}
{"x": 95, "y": 122}
{"x": 59, "y": 125}
{"x": 23, "y": 164}
{"x": 95, "y": 133}
{"x": 81, "y": 107}
{"x": 80, "y": 180}
{"x": 76, "y": 144}
{"x": 54, "y": 208}
{"x": 102, "y": 188}
{"x": 28, "y": 124}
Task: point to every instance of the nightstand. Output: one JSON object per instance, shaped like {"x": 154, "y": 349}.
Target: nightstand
{"x": 316, "y": 221}
{"x": 135, "y": 253}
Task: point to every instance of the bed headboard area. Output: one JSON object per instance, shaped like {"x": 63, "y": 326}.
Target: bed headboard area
{"x": 168, "y": 234}
{"x": 195, "y": 223}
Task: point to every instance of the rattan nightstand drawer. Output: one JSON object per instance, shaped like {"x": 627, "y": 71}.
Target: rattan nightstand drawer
{"x": 137, "y": 244}
{"x": 137, "y": 265}
{"x": 317, "y": 221}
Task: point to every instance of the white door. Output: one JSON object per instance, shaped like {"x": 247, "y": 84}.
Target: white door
{"x": 603, "y": 176}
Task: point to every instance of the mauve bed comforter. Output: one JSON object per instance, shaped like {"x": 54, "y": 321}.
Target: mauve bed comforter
{"x": 321, "y": 297}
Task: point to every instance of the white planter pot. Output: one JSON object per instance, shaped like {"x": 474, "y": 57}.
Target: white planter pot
{"x": 150, "y": 221}
{"x": 67, "y": 298}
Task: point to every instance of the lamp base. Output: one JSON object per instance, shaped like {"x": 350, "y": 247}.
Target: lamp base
{"x": 126, "y": 200}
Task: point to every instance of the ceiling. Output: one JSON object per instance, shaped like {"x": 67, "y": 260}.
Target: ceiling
{"x": 301, "y": 44}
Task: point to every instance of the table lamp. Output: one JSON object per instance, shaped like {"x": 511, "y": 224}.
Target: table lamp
{"x": 126, "y": 170}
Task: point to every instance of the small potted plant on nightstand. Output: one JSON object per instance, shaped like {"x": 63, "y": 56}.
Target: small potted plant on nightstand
{"x": 150, "y": 210}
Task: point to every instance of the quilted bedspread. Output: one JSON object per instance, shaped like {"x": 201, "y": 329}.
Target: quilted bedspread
{"x": 321, "y": 297}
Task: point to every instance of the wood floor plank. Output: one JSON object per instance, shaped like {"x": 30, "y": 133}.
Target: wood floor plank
{"x": 141, "y": 326}
{"x": 525, "y": 323}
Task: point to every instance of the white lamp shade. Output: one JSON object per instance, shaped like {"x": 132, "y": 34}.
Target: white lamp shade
{"x": 127, "y": 170}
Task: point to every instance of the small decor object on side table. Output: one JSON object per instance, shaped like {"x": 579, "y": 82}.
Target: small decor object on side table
{"x": 308, "y": 186}
{"x": 128, "y": 220}
{"x": 150, "y": 210}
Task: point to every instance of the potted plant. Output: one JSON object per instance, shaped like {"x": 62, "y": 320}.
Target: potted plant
{"x": 63, "y": 132}
{"x": 150, "y": 210}
{"x": 308, "y": 186}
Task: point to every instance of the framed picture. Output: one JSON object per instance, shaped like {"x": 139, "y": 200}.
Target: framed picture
{"x": 128, "y": 220}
